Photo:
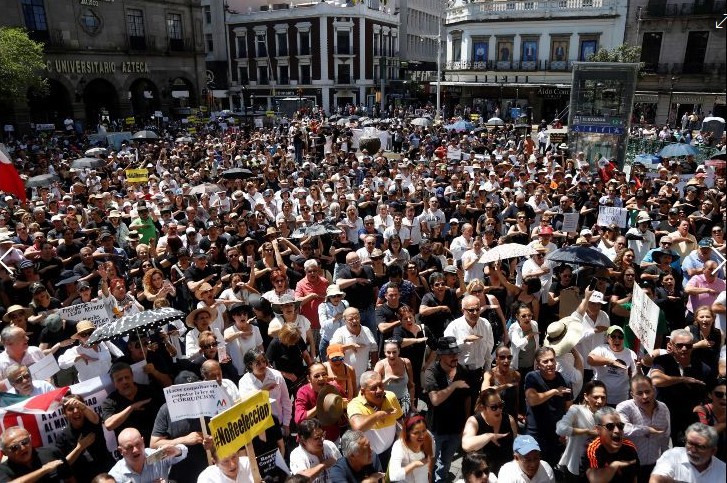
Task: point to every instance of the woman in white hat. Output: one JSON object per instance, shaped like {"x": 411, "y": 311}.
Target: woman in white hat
{"x": 288, "y": 312}
{"x": 90, "y": 360}
{"x": 199, "y": 320}
{"x": 330, "y": 315}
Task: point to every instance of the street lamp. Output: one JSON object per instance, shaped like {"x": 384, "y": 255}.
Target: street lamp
{"x": 674, "y": 80}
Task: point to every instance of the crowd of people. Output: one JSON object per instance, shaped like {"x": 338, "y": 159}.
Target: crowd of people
{"x": 355, "y": 288}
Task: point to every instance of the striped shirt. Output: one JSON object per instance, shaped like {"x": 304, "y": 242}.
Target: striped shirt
{"x": 649, "y": 446}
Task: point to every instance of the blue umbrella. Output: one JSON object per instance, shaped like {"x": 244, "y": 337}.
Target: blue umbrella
{"x": 678, "y": 150}
{"x": 459, "y": 126}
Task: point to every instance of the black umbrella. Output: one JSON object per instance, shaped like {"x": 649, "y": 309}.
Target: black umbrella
{"x": 41, "y": 180}
{"x": 134, "y": 323}
{"x": 88, "y": 163}
{"x": 577, "y": 255}
{"x": 237, "y": 173}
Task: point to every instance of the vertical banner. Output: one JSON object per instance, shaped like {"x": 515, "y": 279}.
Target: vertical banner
{"x": 644, "y": 318}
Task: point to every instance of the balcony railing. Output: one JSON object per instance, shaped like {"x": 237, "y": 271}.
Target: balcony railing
{"x": 498, "y": 9}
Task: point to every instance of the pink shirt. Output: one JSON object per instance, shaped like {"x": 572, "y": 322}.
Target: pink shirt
{"x": 699, "y": 281}
{"x": 310, "y": 308}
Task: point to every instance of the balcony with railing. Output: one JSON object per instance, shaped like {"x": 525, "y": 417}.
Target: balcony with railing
{"x": 662, "y": 8}
{"x": 530, "y": 9}
{"x": 566, "y": 66}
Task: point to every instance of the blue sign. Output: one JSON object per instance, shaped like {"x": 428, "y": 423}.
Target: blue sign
{"x": 588, "y": 128}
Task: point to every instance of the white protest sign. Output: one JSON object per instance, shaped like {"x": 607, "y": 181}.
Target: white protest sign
{"x": 570, "y": 222}
{"x": 611, "y": 214}
{"x": 195, "y": 400}
{"x": 94, "y": 311}
{"x": 453, "y": 153}
{"x": 45, "y": 368}
{"x": 137, "y": 369}
{"x": 644, "y": 318}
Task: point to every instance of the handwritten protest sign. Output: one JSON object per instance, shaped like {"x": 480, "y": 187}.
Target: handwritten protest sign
{"x": 238, "y": 425}
{"x": 194, "y": 400}
{"x": 644, "y": 318}
{"x": 570, "y": 222}
{"x": 137, "y": 175}
{"x": 93, "y": 311}
{"x": 611, "y": 214}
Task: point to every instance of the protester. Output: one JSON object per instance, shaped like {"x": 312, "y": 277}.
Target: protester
{"x": 526, "y": 467}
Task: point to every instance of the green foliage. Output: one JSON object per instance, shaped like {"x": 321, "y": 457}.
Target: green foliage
{"x": 22, "y": 64}
{"x": 624, "y": 53}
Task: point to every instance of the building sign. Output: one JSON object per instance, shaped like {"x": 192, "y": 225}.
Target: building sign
{"x": 552, "y": 92}
{"x": 95, "y": 67}
{"x": 687, "y": 99}
{"x": 598, "y": 129}
{"x": 94, "y": 3}
{"x": 646, "y": 98}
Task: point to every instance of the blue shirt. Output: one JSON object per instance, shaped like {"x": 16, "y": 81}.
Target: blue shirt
{"x": 123, "y": 474}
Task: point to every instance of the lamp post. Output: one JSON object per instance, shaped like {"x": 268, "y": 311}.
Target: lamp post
{"x": 674, "y": 80}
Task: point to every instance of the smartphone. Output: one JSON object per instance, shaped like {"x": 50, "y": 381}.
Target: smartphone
{"x": 592, "y": 285}
{"x": 250, "y": 261}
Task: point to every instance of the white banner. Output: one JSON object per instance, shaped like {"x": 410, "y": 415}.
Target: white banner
{"x": 194, "y": 400}
{"x": 93, "y": 311}
{"x": 611, "y": 214}
{"x": 644, "y": 318}
{"x": 45, "y": 368}
{"x": 455, "y": 154}
{"x": 570, "y": 222}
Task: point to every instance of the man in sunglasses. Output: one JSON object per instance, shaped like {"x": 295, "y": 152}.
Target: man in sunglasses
{"x": 681, "y": 382}
{"x": 610, "y": 457}
{"x": 44, "y": 464}
{"x": 22, "y": 383}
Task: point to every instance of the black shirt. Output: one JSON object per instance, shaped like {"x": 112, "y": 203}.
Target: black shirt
{"x": 142, "y": 419}
{"x": 449, "y": 417}
{"x": 438, "y": 321}
{"x": 596, "y": 457}
{"x": 10, "y": 471}
{"x": 358, "y": 295}
{"x": 541, "y": 419}
{"x": 96, "y": 456}
{"x": 187, "y": 470}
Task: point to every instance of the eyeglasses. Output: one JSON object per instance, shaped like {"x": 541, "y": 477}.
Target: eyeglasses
{"x": 336, "y": 296}
{"x": 354, "y": 262}
{"x": 684, "y": 345}
{"x": 482, "y": 472}
{"x": 205, "y": 347}
{"x": 698, "y": 447}
{"x": 718, "y": 394}
{"x": 268, "y": 250}
{"x": 507, "y": 357}
{"x": 14, "y": 448}
{"x": 611, "y": 426}
{"x": 496, "y": 407}
{"x": 439, "y": 284}
{"x": 22, "y": 377}
{"x": 473, "y": 310}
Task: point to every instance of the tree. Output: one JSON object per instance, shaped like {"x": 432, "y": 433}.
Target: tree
{"x": 22, "y": 64}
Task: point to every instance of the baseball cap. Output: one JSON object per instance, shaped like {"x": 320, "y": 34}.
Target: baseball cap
{"x": 524, "y": 444}
{"x": 335, "y": 350}
{"x": 613, "y": 329}
{"x": 597, "y": 297}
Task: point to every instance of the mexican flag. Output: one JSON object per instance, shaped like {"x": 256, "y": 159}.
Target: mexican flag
{"x": 41, "y": 404}
{"x": 10, "y": 181}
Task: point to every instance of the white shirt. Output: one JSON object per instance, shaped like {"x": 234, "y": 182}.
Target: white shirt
{"x": 231, "y": 390}
{"x": 477, "y": 354}
{"x": 401, "y": 456}
{"x": 212, "y": 474}
{"x": 91, "y": 369}
{"x": 477, "y": 269}
{"x": 32, "y": 355}
{"x": 721, "y": 319}
{"x": 511, "y": 473}
{"x": 675, "y": 464}
{"x": 615, "y": 378}
{"x": 301, "y": 460}
{"x": 356, "y": 358}
{"x": 274, "y": 383}
{"x": 641, "y": 247}
{"x": 591, "y": 339}
{"x": 237, "y": 348}
{"x": 459, "y": 246}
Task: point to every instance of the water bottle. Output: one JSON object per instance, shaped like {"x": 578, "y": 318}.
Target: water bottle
{"x": 221, "y": 346}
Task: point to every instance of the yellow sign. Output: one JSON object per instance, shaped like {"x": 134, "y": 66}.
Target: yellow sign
{"x": 130, "y": 120}
{"x": 236, "y": 427}
{"x": 270, "y": 113}
{"x": 137, "y": 175}
{"x": 192, "y": 130}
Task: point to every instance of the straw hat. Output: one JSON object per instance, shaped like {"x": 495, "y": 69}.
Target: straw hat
{"x": 16, "y": 308}
{"x": 82, "y": 327}
{"x": 329, "y": 405}
{"x": 563, "y": 335}
{"x": 334, "y": 290}
{"x": 205, "y": 287}
{"x": 285, "y": 299}
{"x": 189, "y": 320}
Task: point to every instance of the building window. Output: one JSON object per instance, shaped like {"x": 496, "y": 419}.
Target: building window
{"x": 174, "y": 31}
{"x": 282, "y": 41}
{"x": 651, "y": 50}
{"x": 262, "y": 75}
{"x": 262, "y": 48}
{"x": 90, "y": 22}
{"x": 344, "y": 74}
{"x": 207, "y": 14}
{"x": 456, "y": 49}
{"x": 377, "y": 44}
{"x": 696, "y": 49}
{"x": 241, "y": 46}
{"x": 304, "y": 46}
{"x": 209, "y": 42}
{"x": 343, "y": 42}
{"x": 588, "y": 48}
{"x": 283, "y": 77}
{"x": 504, "y": 50}
{"x": 244, "y": 77}
{"x": 35, "y": 20}
{"x": 304, "y": 74}
{"x": 135, "y": 22}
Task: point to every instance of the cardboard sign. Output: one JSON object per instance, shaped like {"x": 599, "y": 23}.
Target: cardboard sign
{"x": 194, "y": 400}
{"x": 94, "y": 311}
{"x": 137, "y": 175}
{"x": 569, "y": 300}
{"x": 611, "y": 214}
{"x": 237, "y": 426}
{"x": 644, "y": 318}
{"x": 570, "y": 222}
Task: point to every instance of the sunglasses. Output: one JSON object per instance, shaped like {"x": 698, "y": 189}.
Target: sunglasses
{"x": 481, "y": 472}
{"x": 496, "y": 407}
{"x": 14, "y": 448}
{"x": 617, "y": 336}
{"x": 205, "y": 347}
{"x": 85, "y": 334}
{"x": 684, "y": 345}
{"x": 22, "y": 377}
{"x": 473, "y": 310}
{"x": 611, "y": 426}
{"x": 337, "y": 359}
{"x": 439, "y": 284}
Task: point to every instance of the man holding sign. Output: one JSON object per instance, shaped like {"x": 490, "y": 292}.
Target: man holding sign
{"x": 144, "y": 464}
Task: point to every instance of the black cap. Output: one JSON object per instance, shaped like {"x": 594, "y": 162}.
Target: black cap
{"x": 447, "y": 346}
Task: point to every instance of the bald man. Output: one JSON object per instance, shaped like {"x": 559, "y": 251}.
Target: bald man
{"x": 133, "y": 467}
